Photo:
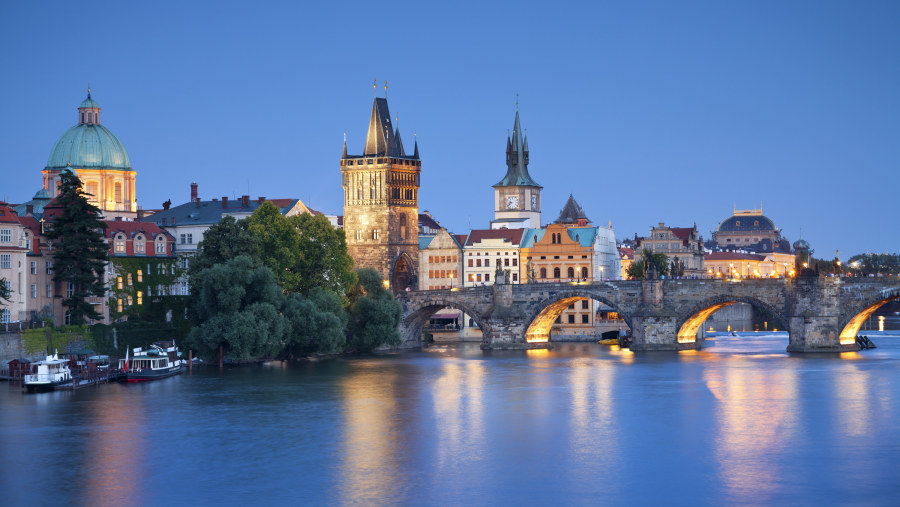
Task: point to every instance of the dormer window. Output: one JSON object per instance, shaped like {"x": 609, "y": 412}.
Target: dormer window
{"x": 139, "y": 244}
{"x": 119, "y": 244}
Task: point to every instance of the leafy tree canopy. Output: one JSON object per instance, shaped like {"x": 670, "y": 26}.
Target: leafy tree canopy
{"x": 648, "y": 258}
{"x": 79, "y": 250}
{"x": 222, "y": 242}
{"x": 4, "y": 289}
{"x": 374, "y": 313}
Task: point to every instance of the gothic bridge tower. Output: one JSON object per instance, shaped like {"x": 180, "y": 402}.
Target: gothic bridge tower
{"x": 381, "y": 202}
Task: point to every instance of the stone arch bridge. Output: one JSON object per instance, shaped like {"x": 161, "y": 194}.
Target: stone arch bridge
{"x": 820, "y": 314}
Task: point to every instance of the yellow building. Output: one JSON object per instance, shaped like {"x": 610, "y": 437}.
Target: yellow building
{"x": 747, "y": 265}
{"x": 99, "y": 160}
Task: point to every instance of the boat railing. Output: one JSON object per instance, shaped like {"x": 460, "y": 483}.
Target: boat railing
{"x": 41, "y": 377}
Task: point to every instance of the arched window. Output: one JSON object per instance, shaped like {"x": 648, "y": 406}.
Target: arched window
{"x": 118, "y": 192}
{"x": 543, "y": 272}
{"x": 555, "y": 272}
{"x": 92, "y": 190}
{"x": 119, "y": 244}
{"x": 139, "y": 244}
{"x": 584, "y": 274}
{"x": 570, "y": 273}
{"x": 82, "y": 117}
{"x": 90, "y": 117}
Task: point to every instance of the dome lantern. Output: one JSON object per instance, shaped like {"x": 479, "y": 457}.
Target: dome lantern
{"x": 89, "y": 111}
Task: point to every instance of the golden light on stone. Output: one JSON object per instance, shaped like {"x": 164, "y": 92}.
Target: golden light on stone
{"x": 848, "y": 334}
{"x": 688, "y": 331}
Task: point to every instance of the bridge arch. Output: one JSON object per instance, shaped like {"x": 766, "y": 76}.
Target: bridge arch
{"x": 860, "y": 313}
{"x": 418, "y": 314}
{"x": 543, "y": 314}
{"x": 689, "y": 322}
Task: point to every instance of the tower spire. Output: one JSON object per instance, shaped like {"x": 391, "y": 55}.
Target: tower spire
{"x": 344, "y": 155}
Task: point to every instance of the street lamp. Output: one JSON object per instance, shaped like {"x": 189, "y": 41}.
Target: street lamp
{"x": 601, "y": 273}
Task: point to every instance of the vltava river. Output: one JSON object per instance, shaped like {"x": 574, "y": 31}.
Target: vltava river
{"x": 739, "y": 422}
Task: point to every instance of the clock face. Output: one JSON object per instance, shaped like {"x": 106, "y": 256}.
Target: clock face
{"x": 512, "y": 202}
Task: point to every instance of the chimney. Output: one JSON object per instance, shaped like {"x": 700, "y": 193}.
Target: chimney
{"x": 262, "y": 199}
{"x": 245, "y": 200}
{"x": 194, "y": 191}
{"x": 140, "y": 214}
{"x": 224, "y": 201}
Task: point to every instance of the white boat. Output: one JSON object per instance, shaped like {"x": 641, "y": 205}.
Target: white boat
{"x": 48, "y": 374}
{"x": 161, "y": 360}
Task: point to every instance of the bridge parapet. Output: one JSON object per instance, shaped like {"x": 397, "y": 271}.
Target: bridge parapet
{"x": 820, "y": 313}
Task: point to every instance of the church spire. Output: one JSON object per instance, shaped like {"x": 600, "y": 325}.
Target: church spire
{"x": 344, "y": 155}
{"x": 517, "y": 158}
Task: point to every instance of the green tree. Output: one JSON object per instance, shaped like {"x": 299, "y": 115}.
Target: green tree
{"x": 222, "y": 242}
{"x": 648, "y": 258}
{"x": 79, "y": 250}
{"x": 317, "y": 323}
{"x": 239, "y": 309}
{"x": 277, "y": 241}
{"x": 323, "y": 261}
{"x": 4, "y": 289}
{"x": 872, "y": 264}
{"x": 374, "y": 313}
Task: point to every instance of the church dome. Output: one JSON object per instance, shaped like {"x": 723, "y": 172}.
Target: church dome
{"x": 89, "y": 146}
{"x": 801, "y": 244}
{"x": 747, "y": 223}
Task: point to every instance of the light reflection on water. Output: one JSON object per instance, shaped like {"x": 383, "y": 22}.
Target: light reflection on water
{"x": 740, "y": 422}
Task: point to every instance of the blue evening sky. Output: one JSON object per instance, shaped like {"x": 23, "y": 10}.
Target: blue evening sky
{"x": 646, "y": 111}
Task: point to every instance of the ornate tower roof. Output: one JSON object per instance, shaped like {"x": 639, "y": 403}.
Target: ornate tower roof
{"x": 517, "y": 159}
{"x": 89, "y": 145}
{"x": 572, "y": 213}
{"x": 381, "y": 139}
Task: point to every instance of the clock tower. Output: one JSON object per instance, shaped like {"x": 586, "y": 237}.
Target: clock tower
{"x": 517, "y": 197}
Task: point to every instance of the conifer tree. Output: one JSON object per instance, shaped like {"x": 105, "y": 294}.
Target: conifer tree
{"x": 79, "y": 252}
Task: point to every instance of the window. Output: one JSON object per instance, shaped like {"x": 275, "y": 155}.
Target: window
{"x": 70, "y": 289}
{"x": 161, "y": 246}
{"x": 5, "y": 262}
{"x": 555, "y": 272}
{"x": 119, "y": 282}
{"x": 515, "y": 262}
{"x": 584, "y": 304}
{"x": 470, "y": 262}
{"x": 471, "y": 277}
{"x": 443, "y": 273}
{"x": 119, "y": 305}
{"x": 584, "y": 273}
{"x": 430, "y": 258}
{"x": 119, "y": 244}
{"x": 140, "y": 276}
{"x": 584, "y": 319}
{"x": 487, "y": 262}
{"x": 487, "y": 278}
{"x": 430, "y": 273}
{"x": 505, "y": 262}
{"x": 358, "y": 236}
{"x": 478, "y": 277}
{"x": 129, "y": 279}
{"x": 403, "y": 224}
{"x": 118, "y": 192}
{"x": 570, "y": 272}
{"x": 571, "y": 319}
{"x": 4, "y": 316}
{"x": 49, "y": 291}
{"x": 375, "y": 234}
{"x": 515, "y": 277}
{"x": 139, "y": 244}
{"x": 543, "y": 272}
{"x": 92, "y": 191}
{"x": 185, "y": 289}
{"x": 140, "y": 297}
{"x": 5, "y": 235}
{"x": 33, "y": 267}
{"x": 478, "y": 263}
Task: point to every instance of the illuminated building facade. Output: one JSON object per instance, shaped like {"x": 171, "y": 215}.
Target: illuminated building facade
{"x": 486, "y": 250}
{"x": 441, "y": 260}
{"x": 381, "y": 192}
{"x": 682, "y": 244}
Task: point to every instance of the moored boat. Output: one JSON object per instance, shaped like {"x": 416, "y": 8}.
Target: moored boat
{"x": 48, "y": 374}
{"x": 161, "y": 360}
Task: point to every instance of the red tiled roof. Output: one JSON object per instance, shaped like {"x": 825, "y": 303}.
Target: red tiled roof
{"x": 7, "y": 214}
{"x": 626, "y": 253}
{"x": 513, "y": 236}
{"x": 732, "y": 256}
{"x": 460, "y": 238}
{"x": 150, "y": 229}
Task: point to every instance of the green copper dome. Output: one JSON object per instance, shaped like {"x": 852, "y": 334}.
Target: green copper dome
{"x": 89, "y": 102}
{"x": 89, "y": 146}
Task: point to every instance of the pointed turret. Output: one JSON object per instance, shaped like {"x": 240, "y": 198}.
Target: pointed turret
{"x": 398, "y": 151}
{"x": 572, "y": 213}
{"x": 380, "y": 138}
{"x": 517, "y": 160}
{"x": 416, "y": 152}
{"x": 344, "y": 155}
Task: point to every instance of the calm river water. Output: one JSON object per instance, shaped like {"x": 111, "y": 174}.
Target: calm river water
{"x": 741, "y": 422}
